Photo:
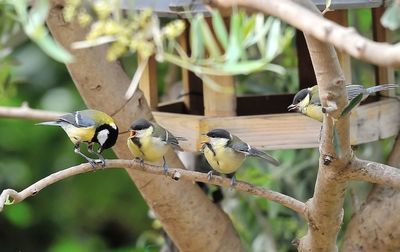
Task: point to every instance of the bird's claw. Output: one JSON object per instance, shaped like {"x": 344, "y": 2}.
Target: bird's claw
{"x": 233, "y": 181}
{"x": 165, "y": 169}
{"x": 209, "y": 175}
{"x": 141, "y": 161}
{"x": 102, "y": 162}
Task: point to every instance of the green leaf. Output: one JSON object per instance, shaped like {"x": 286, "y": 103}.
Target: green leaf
{"x": 53, "y": 49}
{"x": 245, "y": 67}
{"x": 336, "y": 141}
{"x": 196, "y": 38}
{"x": 353, "y": 103}
{"x": 234, "y": 50}
{"x": 209, "y": 39}
{"x": 273, "y": 47}
{"x": 248, "y": 28}
{"x": 219, "y": 28}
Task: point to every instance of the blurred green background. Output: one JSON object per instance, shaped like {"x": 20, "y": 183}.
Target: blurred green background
{"x": 102, "y": 210}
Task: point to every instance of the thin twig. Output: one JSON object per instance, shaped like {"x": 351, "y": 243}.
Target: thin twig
{"x": 10, "y": 195}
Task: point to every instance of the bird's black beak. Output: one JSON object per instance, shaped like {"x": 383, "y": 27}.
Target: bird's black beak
{"x": 292, "y": 107}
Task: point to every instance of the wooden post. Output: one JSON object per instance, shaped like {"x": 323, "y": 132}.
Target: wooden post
{"x": 148, "y": 82}
{"x": 219, "y": 102}
{"x": 341, "y": 17}
{"x": 383, "y": 75}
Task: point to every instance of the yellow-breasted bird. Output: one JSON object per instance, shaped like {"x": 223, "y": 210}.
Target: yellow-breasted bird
{"x": 148, "y": 141}
{"x": 307, "y": 100}
{"x": 88, "y": 126}
{"x": 226, "y": 152}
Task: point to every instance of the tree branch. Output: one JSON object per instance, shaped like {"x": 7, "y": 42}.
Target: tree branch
{"x": 174, "y": 173}
{"x": 25, "y": 112}
{"x": 313, "y": 24}
{"x": 373, "y": 172}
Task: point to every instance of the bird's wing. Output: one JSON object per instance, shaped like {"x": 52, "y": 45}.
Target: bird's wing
{"x": 354, "y": 90}
{"x": 167, "y": 137}
{"x": 315, "y": 96}
{"x": 78, "y": 119}
{"x": 238, "y": 145}
{"x": 245, "y": 148}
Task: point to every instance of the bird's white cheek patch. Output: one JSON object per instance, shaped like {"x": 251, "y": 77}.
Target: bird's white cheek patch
{"x": 102, "y": 136}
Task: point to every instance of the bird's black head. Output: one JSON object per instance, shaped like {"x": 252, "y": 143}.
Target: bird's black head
{"x": 140, "y": 124}
{"x": 300, "y": 96}
{"x": 106, "y": 135}
{"x": 219, "y": 133}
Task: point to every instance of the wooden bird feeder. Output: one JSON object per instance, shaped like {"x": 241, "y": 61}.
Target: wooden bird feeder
{"x": 263, "y": 120}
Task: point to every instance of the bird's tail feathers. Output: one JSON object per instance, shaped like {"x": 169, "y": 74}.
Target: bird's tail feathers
{"x": 381, "y": 88}
{"x": 263, "y": 155}
{"x": 181, "y": 138}
{"x": 51, "y": 123}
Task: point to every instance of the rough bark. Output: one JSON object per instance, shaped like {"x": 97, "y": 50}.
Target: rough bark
{"x": 376, "y": 226}
{"x": 190, "y": 219}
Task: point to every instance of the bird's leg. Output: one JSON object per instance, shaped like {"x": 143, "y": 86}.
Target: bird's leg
{"x": 165, "y": 166}
{"x": 209, "y": 175}
{"x": 233, "y": 179}
{"x": 92, "y": 162}
{"x": 102, "y": 161}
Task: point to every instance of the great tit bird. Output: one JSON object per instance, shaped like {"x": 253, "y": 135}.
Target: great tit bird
{"x": 88, "y": 126}
{"x": 148, "y": 141}
{"x": 226, "y": 152}
{"x": 307, "y": 101}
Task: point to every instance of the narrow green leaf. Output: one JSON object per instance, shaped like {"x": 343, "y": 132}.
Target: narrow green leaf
{"x": 38, "y": 14}
{"x": 261, "y": 29}
{"x": 196, "y": 38}
{"x": 209, "y": 40}
{"x": 353, "y": 103}
{"x": 245, "y": 67}
{"x": 234, "y": 50}
{"x": 219, "y": 28}
{"x": 249, "y": 25}
{"x": 53, "y": 49}
{"x": 336, "y": 141}
{"x": 273, "y": 40}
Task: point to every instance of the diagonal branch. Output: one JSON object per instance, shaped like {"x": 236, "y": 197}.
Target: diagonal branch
{"x": 313, "y": 24}
{"x": 174, "y": 173}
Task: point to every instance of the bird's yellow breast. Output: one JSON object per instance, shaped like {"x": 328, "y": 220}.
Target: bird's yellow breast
{"x": 151, "y": 149}
{"x": 78, "y": 135}
{"x": 225, "y": 160}
{"x": 313, "y": 111}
